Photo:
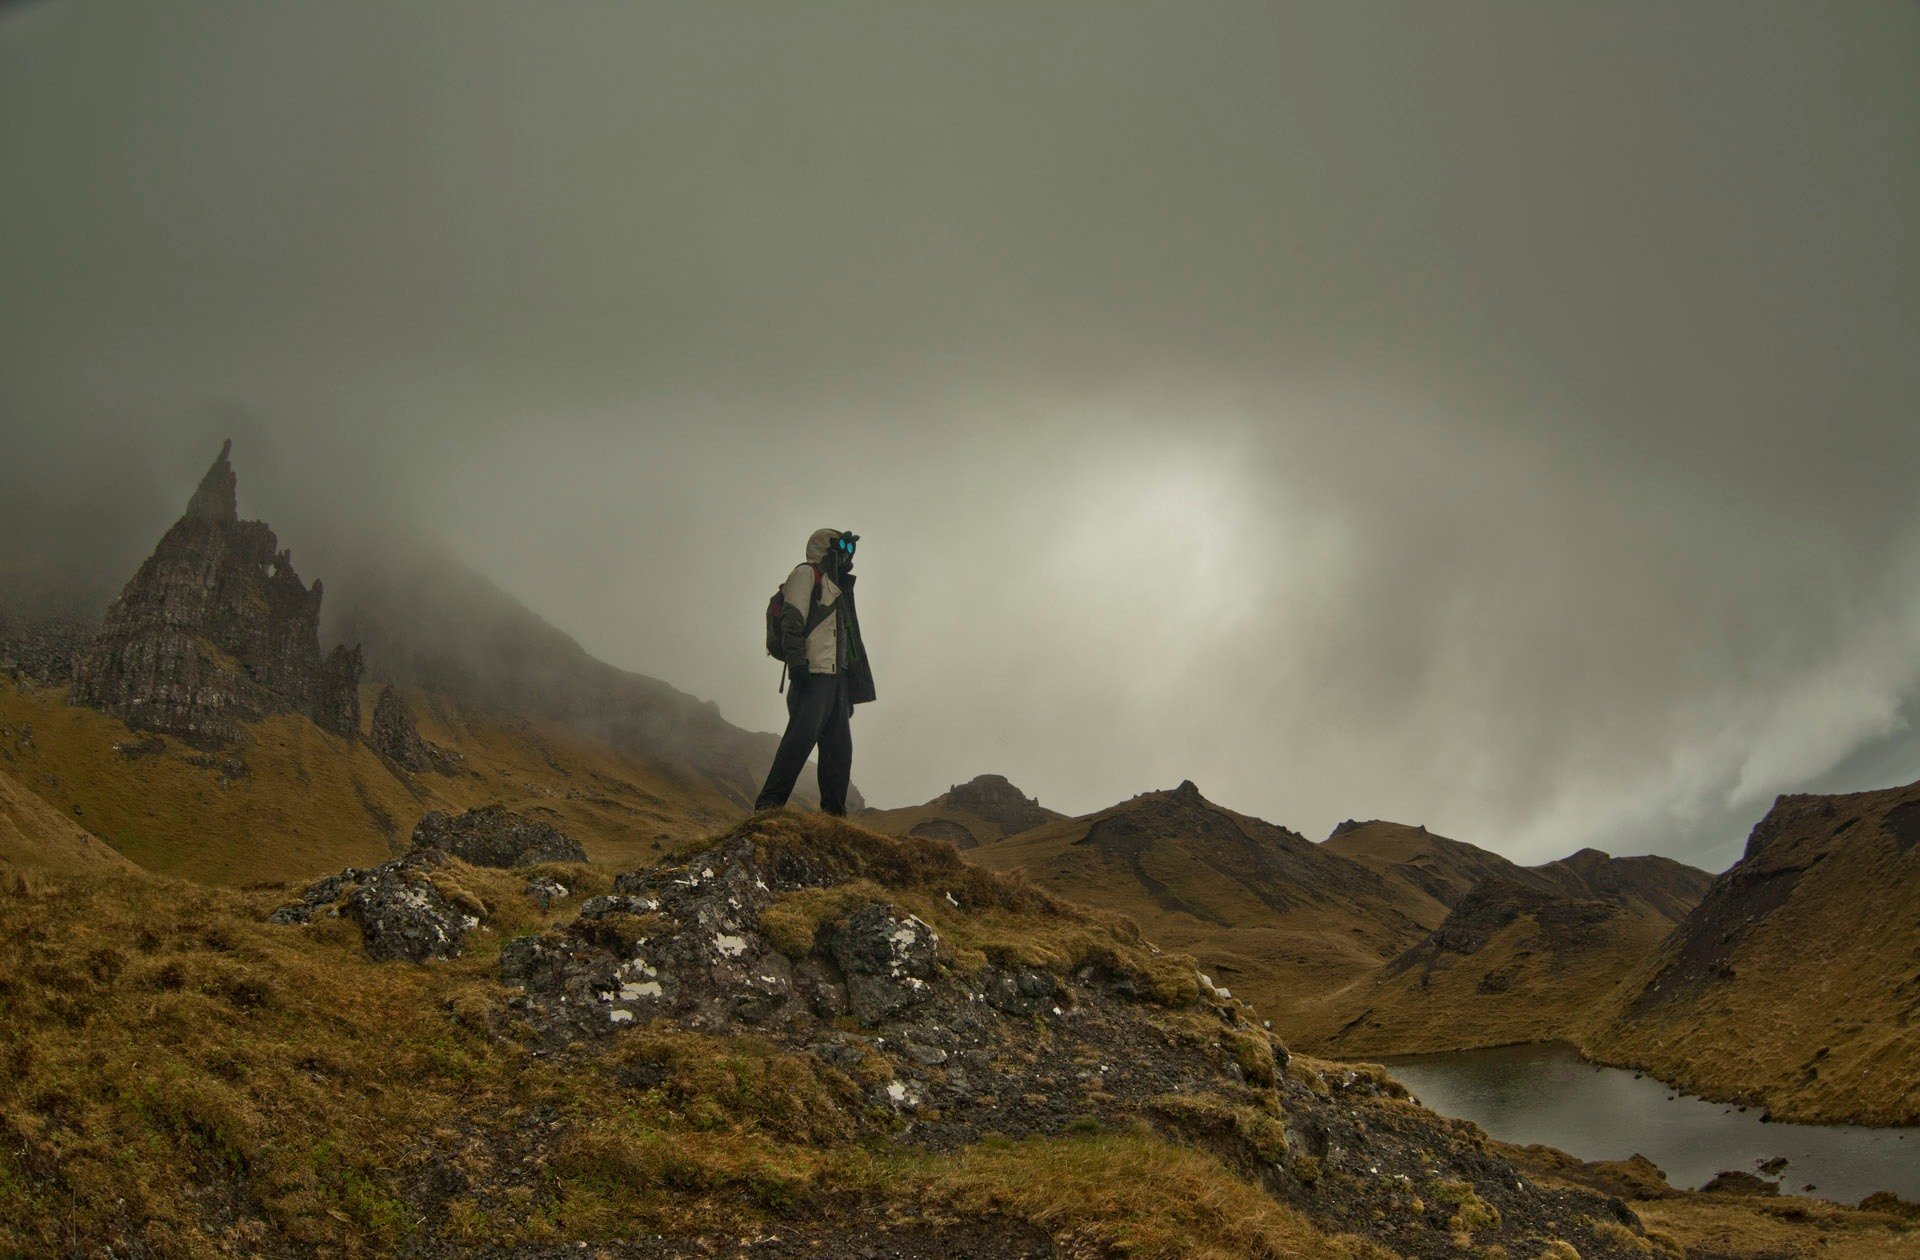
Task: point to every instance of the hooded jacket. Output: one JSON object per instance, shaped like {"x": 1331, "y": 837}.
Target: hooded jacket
{"x": 834, "y": 645}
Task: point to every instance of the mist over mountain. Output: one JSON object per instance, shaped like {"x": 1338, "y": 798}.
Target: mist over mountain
{"x": 1497, "y": 419}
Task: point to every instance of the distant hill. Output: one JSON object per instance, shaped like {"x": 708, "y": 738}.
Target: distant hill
{"x": 1796, "y": 980}
{"x": 1447, "y": 870}
{"x": 1274, "y": 916}
{"x": 1386, "y": 938}
{"x": 1429, "y": 865}
{"x": 1518, "y": 954}
{"x": 1511, "y": 962}
{"x": 967, "y": 815}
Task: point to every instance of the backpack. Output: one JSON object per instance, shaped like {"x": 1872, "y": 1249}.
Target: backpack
{"x": 776, "y": 617}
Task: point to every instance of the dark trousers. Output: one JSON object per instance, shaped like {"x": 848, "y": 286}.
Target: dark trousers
{"x": 818, "y": 712}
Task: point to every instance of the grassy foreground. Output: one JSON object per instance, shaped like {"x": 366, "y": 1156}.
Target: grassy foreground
{"x": 181, "y": 1077}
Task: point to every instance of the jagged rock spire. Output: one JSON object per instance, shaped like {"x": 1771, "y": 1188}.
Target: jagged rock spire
{"x": 215, "y": 499}
{"x": 216, "y": 629}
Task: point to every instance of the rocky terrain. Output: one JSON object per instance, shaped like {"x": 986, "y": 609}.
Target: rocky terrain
{"x": 967, "y": 815}
{"x": 495, "y": 836}
{"x": 1813, "y": 937}
{"x": 215, "y": 630}
{"x": 796, "y": 1034}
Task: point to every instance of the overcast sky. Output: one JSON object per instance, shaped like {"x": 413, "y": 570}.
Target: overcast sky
{"x": 1496, "y": 416}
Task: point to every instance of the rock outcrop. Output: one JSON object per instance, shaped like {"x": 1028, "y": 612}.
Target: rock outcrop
{"x": 395, "y": 735}
{"x": 871, "y": 960}
{"x": 496, "y": 836}
{"x": 992, "y": 797}
{"x": 217, "y": 629}
{"x": 402, "y": 913}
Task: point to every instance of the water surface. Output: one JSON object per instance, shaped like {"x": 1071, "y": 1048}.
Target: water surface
{"x": 1545, "y": 1093}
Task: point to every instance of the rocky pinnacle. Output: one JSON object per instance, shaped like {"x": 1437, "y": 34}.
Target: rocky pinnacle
{"x": 215, "y": 629}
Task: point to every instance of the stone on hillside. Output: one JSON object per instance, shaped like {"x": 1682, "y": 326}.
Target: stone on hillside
{"x": 400, "y": 911}
{"x": 886, "y": 958}
{"x": 395, "y": 735}
{"x": 215, "y": 629}
{"x": 496, "y": 836}
{"x": 544, "y": 891}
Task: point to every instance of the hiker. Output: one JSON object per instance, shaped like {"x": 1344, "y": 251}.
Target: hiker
{"x": 813, "y": 628}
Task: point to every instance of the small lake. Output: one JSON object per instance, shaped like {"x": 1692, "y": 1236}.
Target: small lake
{"x": 1547, "y": 1094}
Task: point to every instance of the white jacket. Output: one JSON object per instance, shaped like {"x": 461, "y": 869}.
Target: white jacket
{"x": 823, "y": 645}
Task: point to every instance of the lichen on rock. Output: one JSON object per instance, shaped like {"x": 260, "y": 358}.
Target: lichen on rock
{"x": 493, "y": 835}
{"x": 400, "y": 911}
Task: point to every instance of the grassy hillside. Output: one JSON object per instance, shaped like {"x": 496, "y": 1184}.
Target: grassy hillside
{"x": 294, "y": 800}
{"x": 1436, "y": 870}
{"x": 1509, "y": 964}
{"x": 1270, "y": 915}
{"x": 36, "y": 837}
{"x": 1516, "y": 954}
{"x": 429, "y": 623}
{"x": 1796, "y": 981}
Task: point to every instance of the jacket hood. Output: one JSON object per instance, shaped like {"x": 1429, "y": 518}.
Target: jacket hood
{"x": 817, "y": 544}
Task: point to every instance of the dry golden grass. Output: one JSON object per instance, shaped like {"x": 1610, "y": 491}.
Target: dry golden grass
{"x": 1732, "y": 1227}
{"x": 178, "y": 1075}
{"x": 1133, "y": 1192}
{"x": 163, "y": 1040}
{"x": 310, "y": 802}
{"x": 1549, "y": 993}
{"x": 36, "y": 837}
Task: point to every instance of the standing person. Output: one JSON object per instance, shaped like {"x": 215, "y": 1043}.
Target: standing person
{"x": 818, "y": 635}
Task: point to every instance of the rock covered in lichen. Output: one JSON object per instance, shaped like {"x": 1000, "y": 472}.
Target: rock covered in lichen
{"x": 493, "y": 835}
{"x": 544, "y": 891}
{"x": 216, "y": 629}
{"x": 400, "y": 911}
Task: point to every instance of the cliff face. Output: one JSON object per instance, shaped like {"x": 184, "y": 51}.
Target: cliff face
{"x": 217, "y": 628}
{"x": 1796, "y": 980}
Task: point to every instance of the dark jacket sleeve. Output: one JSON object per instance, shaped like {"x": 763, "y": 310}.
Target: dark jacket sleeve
{"x": 793, "y": 640}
